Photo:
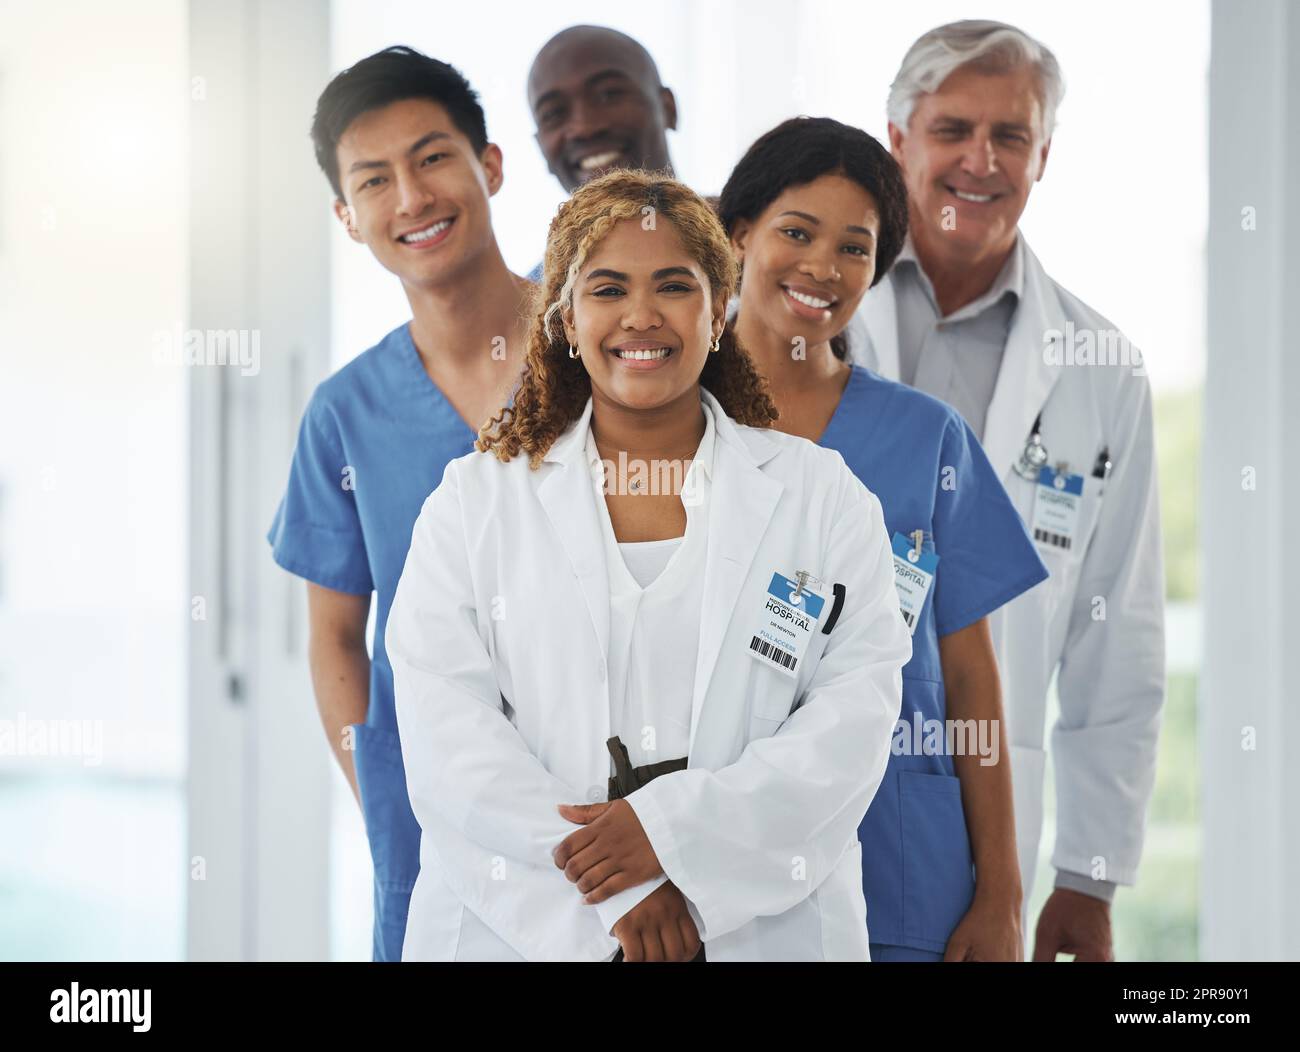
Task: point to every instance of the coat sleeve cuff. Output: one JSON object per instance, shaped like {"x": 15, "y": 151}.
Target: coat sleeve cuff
{"x": 614, "y": 908}
{"x": 1098, "y": 889}
{"x": 658, "y": 831}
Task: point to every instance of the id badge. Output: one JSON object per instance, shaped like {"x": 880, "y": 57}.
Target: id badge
{"x": 785, "y": 625}
{"x": 1057, "y": 499}
{"x": 913, "y": 576}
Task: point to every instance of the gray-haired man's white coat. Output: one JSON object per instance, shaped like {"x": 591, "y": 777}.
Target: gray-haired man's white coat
{"x": 1098, "y": 621}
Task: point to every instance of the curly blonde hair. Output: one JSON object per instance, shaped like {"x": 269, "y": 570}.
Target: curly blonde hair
{"x": 554, "y": 389}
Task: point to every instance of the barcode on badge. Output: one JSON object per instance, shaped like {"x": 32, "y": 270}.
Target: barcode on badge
{"x": 776, "y": 654}
{"x": 1054, "y": 539}
{"x": 909, "y": 619}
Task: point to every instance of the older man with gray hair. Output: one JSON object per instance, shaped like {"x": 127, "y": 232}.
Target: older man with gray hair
{"x": 969, "y": 315}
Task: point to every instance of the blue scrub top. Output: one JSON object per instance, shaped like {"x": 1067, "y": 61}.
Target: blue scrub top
{"x": 373, "y": 444}
{"x": 917, "y": 873}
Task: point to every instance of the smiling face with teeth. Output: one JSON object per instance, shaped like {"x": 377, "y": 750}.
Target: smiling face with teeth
{"x": 808, "y": 260}
{"x": 643, "y": 317}
{"x": 971, "y": 153}
{"x": 416, "y": 192}
{"x": 598, "y": 104}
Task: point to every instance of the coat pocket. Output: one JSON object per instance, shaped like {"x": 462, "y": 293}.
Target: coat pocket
{"x": 772, "y": 697}
{"x": 938, "y": 878}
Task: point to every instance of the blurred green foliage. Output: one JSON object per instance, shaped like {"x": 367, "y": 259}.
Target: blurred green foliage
{"x": 1157, "y": 919}
{"x": 1178, "y": 454}
{"x": 1177, "y": 794}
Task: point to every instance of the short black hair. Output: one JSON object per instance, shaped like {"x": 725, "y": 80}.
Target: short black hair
{"x": 391, "y": 75}
{"x": 802, "y": 149}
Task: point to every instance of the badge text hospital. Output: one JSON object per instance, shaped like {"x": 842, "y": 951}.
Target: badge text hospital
{"x": 785, "y": 625}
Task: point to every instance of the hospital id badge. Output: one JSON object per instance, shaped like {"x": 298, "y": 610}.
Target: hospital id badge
{"x": 913, "y": 576}
{"x": 785, "y": 625}
{"x": 1057, "y": 499}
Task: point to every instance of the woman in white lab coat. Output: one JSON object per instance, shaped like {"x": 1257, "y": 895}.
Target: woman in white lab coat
{"x": 646, "y": 650}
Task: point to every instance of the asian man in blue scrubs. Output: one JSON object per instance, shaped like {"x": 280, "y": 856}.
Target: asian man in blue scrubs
{"x": 402, "y": 139}
{"x": 817, "y": 211}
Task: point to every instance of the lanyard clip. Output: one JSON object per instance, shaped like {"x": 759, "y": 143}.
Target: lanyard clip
{"x": 918, "y": 536}
{"x": 803, "y": 577}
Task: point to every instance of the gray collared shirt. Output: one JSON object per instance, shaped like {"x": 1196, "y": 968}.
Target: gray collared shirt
{"x": 955, "y": 358}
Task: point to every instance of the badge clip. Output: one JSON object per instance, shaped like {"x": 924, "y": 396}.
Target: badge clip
{"x": 803, "y": 577}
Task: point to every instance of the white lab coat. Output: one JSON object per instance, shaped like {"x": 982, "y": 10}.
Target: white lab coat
{"x": 1111, "y": 659}
{"x": 498, "y": 637}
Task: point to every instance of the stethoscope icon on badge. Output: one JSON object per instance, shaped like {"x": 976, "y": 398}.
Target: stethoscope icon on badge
{"x": 1034, "y": 455}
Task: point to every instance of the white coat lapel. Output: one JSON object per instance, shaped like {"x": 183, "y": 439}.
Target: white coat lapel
{"x": 567, "y": 495}
{"x": 878, "y": 315}
{"x": 1025, "y": 378}
{"x": 741, "y": 503}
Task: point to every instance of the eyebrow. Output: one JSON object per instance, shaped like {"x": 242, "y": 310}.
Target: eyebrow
{"x": 419, "y": 145}
{"x": 963, "y": 122}
{"x": 658, "y": 275}
{"x": 591, "y": 81}
{"x": 817, "y": 222}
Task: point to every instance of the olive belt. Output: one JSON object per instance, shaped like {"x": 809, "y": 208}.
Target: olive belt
{"x": 628, "y": 779}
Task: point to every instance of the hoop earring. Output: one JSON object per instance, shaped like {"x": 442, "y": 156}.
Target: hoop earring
{"x": 573, "y": 351}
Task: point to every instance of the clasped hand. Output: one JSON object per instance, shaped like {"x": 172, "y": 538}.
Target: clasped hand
{"x": 610, "y": 853}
